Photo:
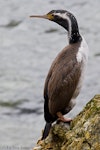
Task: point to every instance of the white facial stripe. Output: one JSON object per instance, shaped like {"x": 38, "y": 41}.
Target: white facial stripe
{"x": 65, "y": 16}
{"x": 62, "y": 15}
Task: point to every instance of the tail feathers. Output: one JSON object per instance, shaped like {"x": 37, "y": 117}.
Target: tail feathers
{"x": 46, "y": 130}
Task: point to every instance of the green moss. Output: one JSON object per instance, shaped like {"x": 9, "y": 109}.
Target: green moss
{"x": 83, "y": 133}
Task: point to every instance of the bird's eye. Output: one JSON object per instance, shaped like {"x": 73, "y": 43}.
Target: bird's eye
{"x": 52, "y": 15}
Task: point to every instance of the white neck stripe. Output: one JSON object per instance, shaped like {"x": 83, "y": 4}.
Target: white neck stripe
{"x": 65, "y": 16}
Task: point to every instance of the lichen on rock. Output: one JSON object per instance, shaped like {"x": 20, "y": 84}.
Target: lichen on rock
{"x": 82, "y": 134}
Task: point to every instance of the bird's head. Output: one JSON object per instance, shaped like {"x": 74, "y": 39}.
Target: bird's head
{"x": 66, "y": 20}
{"x": 59, "y": 16}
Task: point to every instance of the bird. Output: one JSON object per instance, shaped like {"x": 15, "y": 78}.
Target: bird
{"x": 65, "y": 77}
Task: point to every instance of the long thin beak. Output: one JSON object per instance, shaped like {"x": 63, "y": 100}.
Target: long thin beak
{"x": 38, "y": 16}
{"x": 47, "y": 16}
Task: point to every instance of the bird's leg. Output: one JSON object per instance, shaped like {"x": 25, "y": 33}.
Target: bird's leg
{"x": 61, "y": 117}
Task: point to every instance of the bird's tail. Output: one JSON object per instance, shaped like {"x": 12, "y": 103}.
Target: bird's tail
{"x": 46, "y": 130}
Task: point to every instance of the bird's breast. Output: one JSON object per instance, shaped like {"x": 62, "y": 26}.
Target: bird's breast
{"x": 82, "y": 54}
{"x": 82, "y": 57}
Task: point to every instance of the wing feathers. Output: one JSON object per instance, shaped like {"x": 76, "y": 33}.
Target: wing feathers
{"x": 62, "y": 79}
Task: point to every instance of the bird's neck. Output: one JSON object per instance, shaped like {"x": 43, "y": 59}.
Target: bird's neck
{"x": 70, "y": 24}
{"x": 73, "y": 31}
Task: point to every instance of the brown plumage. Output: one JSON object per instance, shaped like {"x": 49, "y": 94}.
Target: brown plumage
{"x": 64, "y": 79}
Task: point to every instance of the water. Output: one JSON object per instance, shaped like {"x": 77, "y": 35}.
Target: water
{"x": 27, "y": 48}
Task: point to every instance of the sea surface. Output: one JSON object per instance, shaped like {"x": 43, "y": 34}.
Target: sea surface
{"x": 27, "y": 49}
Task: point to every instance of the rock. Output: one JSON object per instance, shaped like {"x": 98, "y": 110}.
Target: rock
{"x": 82, "y": 134}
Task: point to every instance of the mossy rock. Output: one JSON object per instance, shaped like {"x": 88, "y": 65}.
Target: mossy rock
{"x": 82, "y": 134}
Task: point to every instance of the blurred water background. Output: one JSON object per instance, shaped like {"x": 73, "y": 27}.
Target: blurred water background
{"x": 27, "y": 48}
